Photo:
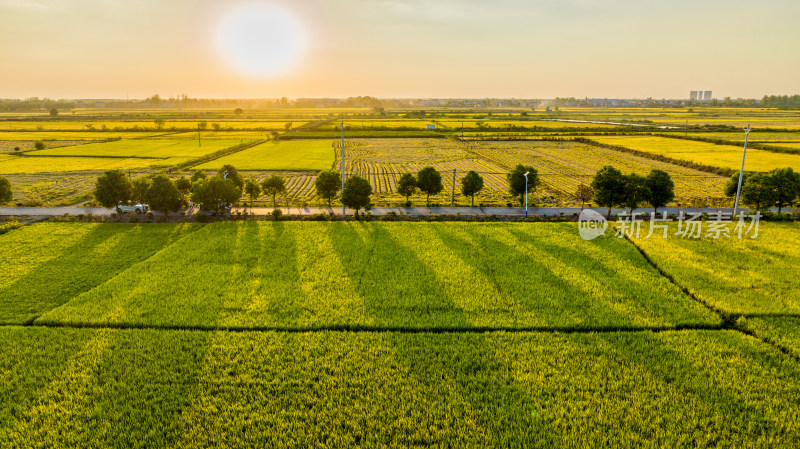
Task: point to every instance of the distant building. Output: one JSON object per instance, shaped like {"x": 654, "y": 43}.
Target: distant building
{"x": 693, "y": 95}
{"x": 707, "y": 95}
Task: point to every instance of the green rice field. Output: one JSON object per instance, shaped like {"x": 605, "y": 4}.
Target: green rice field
{"x": 306, "y": 155}
{"x": 285, "y": 334}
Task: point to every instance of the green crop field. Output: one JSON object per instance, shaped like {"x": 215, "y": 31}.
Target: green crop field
{"x": 173, "y": 150}
{"x": 130, "y": 337}
{"x": 298, "y": 155}
{"x": 725, "y": 156}
{"x": 28, "y": 164}
{"x": 422, "y": 276}
{"x": 757, "y": 279}
{"x": 149, "y": 388}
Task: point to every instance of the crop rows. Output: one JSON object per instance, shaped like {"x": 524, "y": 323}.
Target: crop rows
{"x": 565, "y": 165}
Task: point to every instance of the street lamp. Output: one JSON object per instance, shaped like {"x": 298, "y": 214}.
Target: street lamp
{"x": 741, "y": 171}
{"x": 526, "y": 193}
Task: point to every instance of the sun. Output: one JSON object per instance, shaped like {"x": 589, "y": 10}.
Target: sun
{"x": 261, "y": 40}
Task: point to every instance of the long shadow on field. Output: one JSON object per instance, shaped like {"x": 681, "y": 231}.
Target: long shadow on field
{"x": 642, "y": 306}
{"x": 397, "y": 289}
{"x": 102, "y": 253}
{"x": 476, "y": 398}
{"x": 273, "y": 292}
{"x": 530, "y": 282}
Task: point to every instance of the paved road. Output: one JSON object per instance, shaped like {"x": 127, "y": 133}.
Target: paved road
{"x": 500, "y": 211}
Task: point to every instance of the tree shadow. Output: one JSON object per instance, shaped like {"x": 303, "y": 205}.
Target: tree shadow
{"x": 101, "y": 254}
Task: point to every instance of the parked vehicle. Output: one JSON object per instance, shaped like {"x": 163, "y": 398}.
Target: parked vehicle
{"x": 137, "y": 208}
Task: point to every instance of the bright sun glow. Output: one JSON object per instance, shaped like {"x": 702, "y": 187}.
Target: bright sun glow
{"x": 261, "y": 39}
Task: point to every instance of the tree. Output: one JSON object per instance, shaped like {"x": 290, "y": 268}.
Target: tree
{"x": 163, "y": 195}
{"x": 609, "y": 188}
{"x": 238, "y": 111}
{"x": 159, "y": 122}
{"x": 288, "y": 126}
{"x": 584, "y": 194}
{"x": 232, "y": 174}
{"x": 139, "y": 190}
{"x": 356, "y": 193}
{"x": 328, "y": 183}
{"x": 429, "y": 181}
{"x": 215, "y": 193}
{"x": 516, "y": 180}
{"x": 216, "y": 126}
{"x": 661, "y": 189}
{"x": 6, "y": 195}
{"x": 39, "y": 145}
{"x": 53, "y": 112}
{"x": 184, "y": 185}
{"x": 759, "y": 191}
{"x": 407, "y": 185}
{"x": 787, "y": 186}
{"x": 202, "y": 125}
{"x": 471, "y": 184}
{"x": 636, "y": 191}
{"x": 733, "y": 184}
{"x": 252, "y": 189}
{"x": 112, "y": 188}
{"x": 273, "y": 186}
{"x": 198, "y": 175}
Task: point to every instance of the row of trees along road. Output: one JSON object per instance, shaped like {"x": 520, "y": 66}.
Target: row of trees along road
{"x": 226, "y": 188}
{"x": 611, "y": 188}
{"x": 779, "y": 188}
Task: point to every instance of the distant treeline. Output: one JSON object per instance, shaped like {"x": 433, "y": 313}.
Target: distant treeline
{"x": 781, "y": 101}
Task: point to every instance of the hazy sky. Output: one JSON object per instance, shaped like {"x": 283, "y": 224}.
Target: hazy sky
{"x": 401, "y": 48}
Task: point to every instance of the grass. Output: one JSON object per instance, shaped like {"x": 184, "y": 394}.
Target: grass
{"x": 145, "y": 388}
{"x": 299, "y": 275}
{"x": 725, "y": 156}
{"x": 309, "y": 155}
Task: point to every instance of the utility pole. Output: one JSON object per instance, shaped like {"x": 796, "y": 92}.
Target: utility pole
{"x": 342, "y": 154}
{"x": 741, "y": 172}
{"x": 453, "y": 192}
{"x": 199, "y": 144}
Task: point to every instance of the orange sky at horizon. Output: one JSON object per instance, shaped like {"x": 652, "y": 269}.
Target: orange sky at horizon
{"x": 397, "y": 48}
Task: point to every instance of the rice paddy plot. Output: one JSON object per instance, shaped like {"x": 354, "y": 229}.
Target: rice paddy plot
{"x": 173, "y": 150}
{"x": 17, "y": 146}
{"x": 50, "y": 136}
{"x": 27, "y": 164}
{"x": 563, "y": 166}
{"x": 738, "y": 276}
{"x": 725, "y": 156}
{"x": 53, "y": 189}
{"x": 294, "y": 155}
{"x": 47, "y": 264}
{"x": 191, "y": 389}
{"x": 304, "y": 275}
{"x": 383, "y": 161}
